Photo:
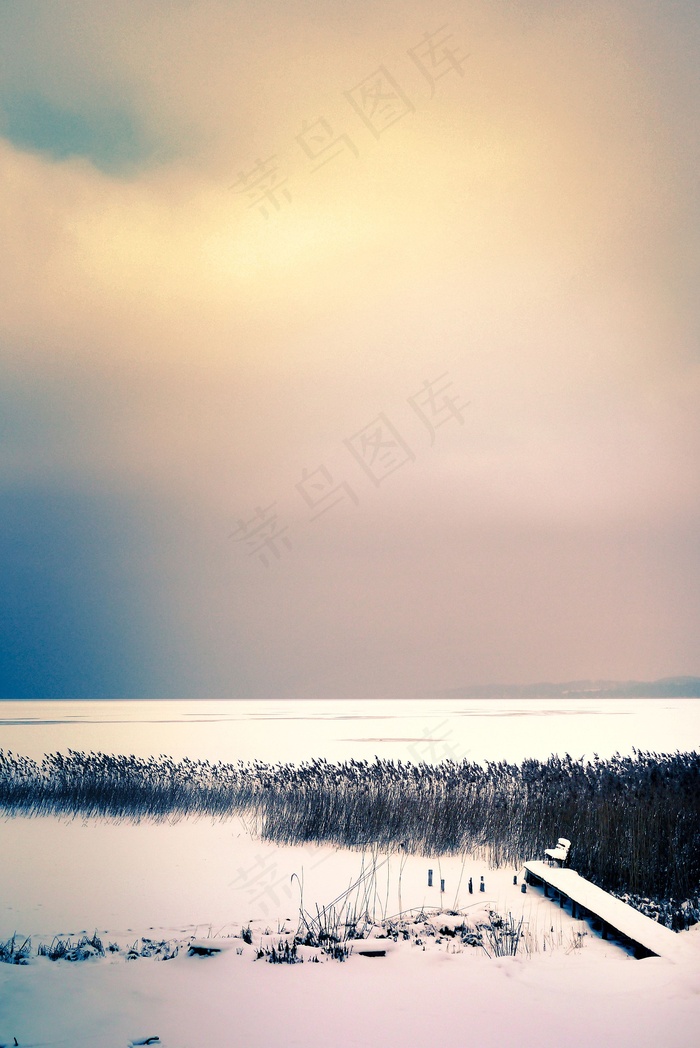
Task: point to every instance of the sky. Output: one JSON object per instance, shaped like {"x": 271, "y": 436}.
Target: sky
{"x": 347, "y": 350}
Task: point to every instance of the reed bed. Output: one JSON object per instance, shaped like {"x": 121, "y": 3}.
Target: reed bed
{"x": 634, "y": 820}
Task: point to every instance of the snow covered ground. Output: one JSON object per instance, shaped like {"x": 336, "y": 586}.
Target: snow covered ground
{"x": 196, "y": 879}
{"x": 199, "y": 879}
{"x": 407, "y": 998}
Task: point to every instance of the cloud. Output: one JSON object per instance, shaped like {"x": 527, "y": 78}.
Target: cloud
{"x": 526, "y": 227}
{"x": 108, "y": 138}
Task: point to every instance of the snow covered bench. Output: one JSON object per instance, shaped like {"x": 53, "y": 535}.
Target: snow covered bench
{"x": 560, "y": 854}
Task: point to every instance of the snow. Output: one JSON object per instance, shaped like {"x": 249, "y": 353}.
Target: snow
{"x": 212, "y": 882}
{"x": 409, "y": 730}
{"x": 617, "y": 914}
{"x": 178, "y": 882}
{"x": 409, "y": 998}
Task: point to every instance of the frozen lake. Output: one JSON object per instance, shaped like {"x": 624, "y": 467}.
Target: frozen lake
{"x": 415, "y": 730}
{"x": 72, "y": 874}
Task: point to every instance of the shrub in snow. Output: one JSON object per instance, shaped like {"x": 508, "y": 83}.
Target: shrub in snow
{"x": 634, "y": 820}
{"x": 65, "y": 950}
{"x": 15, "y": 951}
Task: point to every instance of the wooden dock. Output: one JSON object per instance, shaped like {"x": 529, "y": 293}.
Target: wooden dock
{"x": 648, "y": 938}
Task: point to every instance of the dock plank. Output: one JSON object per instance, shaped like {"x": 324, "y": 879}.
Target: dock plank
{"x": 613, "y": 912}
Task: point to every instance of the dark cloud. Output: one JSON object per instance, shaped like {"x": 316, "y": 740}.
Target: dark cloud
{"x": 69, "y": 605}
{"x": 108, "y": 138}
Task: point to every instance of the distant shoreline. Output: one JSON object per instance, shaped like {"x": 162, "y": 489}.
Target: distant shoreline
{"x": 665, "y": 688}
